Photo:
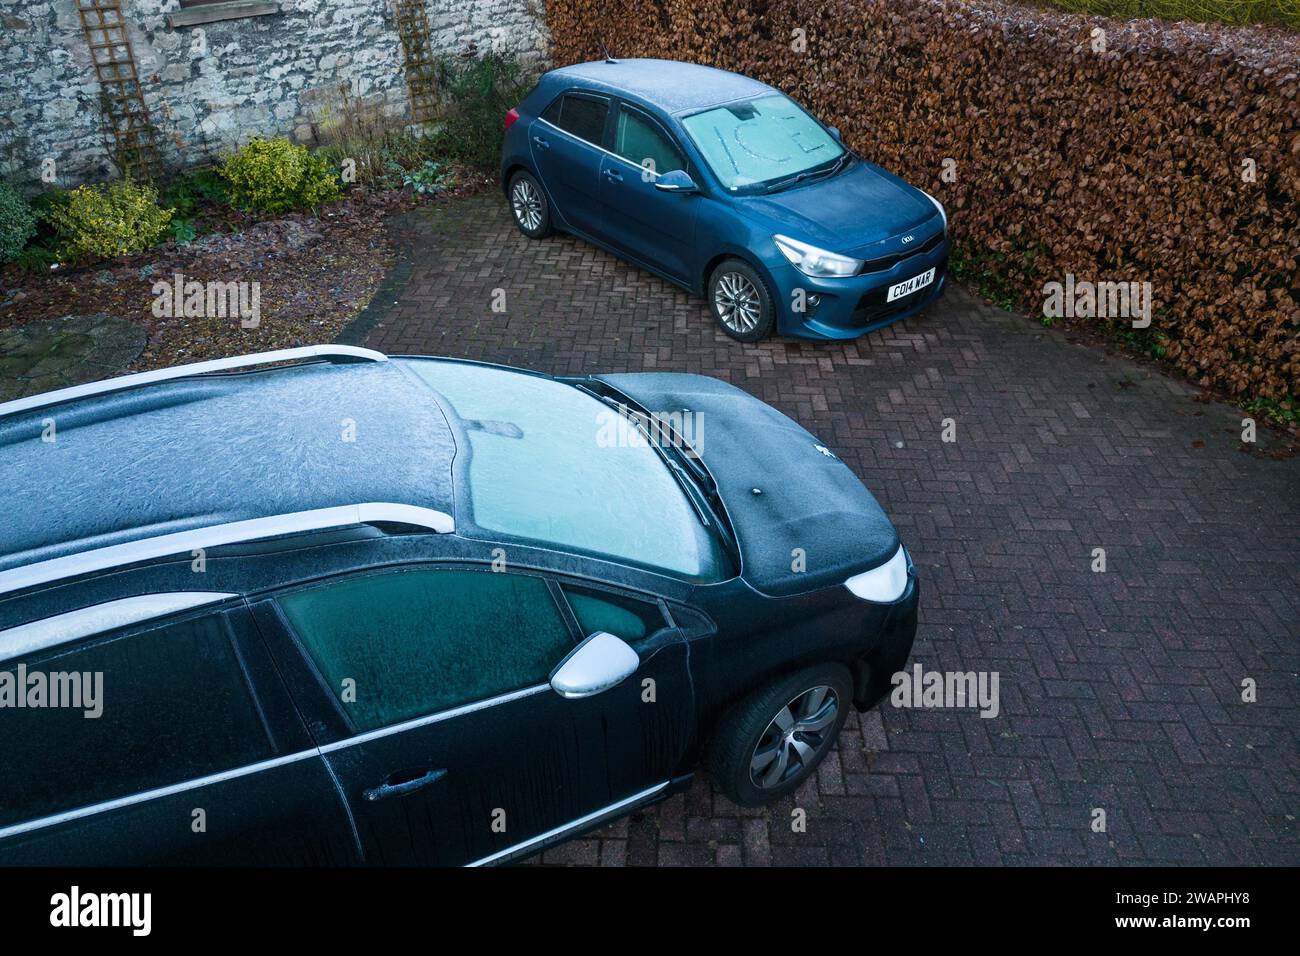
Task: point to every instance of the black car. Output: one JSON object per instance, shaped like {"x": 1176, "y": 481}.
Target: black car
{"x": 344, "y": 608}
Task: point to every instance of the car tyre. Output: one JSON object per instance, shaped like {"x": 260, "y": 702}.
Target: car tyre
{"x": 528, "y": 205}
{"x": 740, "y": 302}
{"x": 758, "y": 753}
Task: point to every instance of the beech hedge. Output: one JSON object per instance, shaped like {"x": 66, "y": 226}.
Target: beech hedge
{"x": 1062, "y": 144}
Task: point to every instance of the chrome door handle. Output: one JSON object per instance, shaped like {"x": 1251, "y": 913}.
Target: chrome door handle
{"x": 541, "y": 142}
{"x": 613, "y": 175}
{"x": 387, "y": 789}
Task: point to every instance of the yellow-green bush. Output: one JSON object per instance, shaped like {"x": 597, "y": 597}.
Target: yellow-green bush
{"x": 103, "y": 222}
{"x": 274, "y": 175}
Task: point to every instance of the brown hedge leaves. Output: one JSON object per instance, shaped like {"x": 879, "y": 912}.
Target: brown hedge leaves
{"x": 1126, "y": 163}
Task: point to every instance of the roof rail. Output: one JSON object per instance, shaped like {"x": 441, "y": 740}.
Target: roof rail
{"x": 235, "y": 532}
{"x": 338, "y": 353}
{"x": 51, "y": 631}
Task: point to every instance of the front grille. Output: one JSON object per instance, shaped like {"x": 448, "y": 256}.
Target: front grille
{"x": 888, "y": 262}
{"x": 872, "y": 307}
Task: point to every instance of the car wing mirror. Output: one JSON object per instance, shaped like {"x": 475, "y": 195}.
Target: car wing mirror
{"x": 835, "y": 131}
{"x": 600, "y": 662}
{"x": 676, "y": 181}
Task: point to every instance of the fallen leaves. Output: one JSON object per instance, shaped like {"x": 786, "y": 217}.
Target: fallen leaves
{"x": 315, "y": 272}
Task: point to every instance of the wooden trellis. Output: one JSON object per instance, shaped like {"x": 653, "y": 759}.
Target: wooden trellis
{"x": 126, "y": 118}
{"x": 417, "y": 50}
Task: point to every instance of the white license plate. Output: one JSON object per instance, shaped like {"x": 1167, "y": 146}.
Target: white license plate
{"x": 908, "y": 286}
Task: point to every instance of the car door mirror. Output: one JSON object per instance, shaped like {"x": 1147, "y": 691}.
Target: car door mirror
{"x": 835, "y": 131}
{"x": 676, "y": 181}
{"x": 600, "y": 662}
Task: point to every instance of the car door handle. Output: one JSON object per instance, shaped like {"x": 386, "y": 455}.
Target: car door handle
{"x": 390, "y": 789}
{"x": 613, "y": 175}
{"x": 541, "y": 142}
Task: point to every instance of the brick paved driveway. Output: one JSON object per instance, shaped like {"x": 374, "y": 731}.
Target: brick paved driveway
{"x": 1119, "y": 690}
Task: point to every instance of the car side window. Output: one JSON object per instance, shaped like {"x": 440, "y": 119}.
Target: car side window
{"x": 552, "y": 113}
{"x": 401, "y": 644}
{"x": 624, "y": 617}
{"x": 111, "y": 717}
{"x": 638, "y": 139}
{"x": 581, "y": 116}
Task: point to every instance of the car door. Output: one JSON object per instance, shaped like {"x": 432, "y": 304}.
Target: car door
{"x": 184, "y": 750}
{"x": 647, "y": 722}
{"x": 567, "y": 144}
{"x": 648, "y": 224}
{"x": 439, "y": 722}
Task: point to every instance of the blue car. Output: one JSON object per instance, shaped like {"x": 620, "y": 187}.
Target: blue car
{"x": 728, "y": 188}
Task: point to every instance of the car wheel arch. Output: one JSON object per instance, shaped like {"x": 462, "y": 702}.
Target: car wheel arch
{"x": 716, "y": 260}
{"x": 509, "y": 174}
{"x": 859, "y": 669}
{"x": 558, "y": 221}
{"x": 729, "y": 747}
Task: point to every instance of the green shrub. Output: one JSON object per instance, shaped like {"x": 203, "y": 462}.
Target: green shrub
{"x": 184, "y": 231}
{"x": 17, "y": 224}
{"x": 358, "y": 136}
{"x": 103, "y": 222}
{"x": 43, "y": 248}
{"x": 37, "y": 259}
{"x": 429, "y": 177}
{"x": 379, "y": 161}
{"x": 191, "y": 193}
{"x": 274, "y": 175}
{"x": 477, "y": 94}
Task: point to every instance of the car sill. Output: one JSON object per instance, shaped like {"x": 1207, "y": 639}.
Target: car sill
{"x": 592, "y": 819}
{"x": 66, "y": 816}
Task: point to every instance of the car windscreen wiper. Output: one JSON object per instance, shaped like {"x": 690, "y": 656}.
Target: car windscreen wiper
{"x": 830, "y": 170}
{"x": 840, "y": 162}
{"x": 691, "y": 491}
{"x": 702, "y": 485}
{"x": 695, "y": 479}
{"x": 698, "y": 498}
{"x": 786, "y": 183}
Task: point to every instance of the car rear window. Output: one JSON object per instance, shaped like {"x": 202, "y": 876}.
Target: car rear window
{"x": 550, "y": 464}
{"x": 173, "y": 706}
{"x": 583, "y": 116}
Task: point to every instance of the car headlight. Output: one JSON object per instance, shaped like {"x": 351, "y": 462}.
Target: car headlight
{"x": 943, "y": 212}
{"x": 884, "y": 584}
{"x": 812, "y": 261}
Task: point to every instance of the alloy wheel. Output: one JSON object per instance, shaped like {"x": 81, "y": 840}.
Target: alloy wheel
{"x": 794, "y": 737}
{"x": 737, "y": 302}
{"x": 527, "y": 205}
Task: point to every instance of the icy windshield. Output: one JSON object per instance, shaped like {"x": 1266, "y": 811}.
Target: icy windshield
{"x": 542, "y": 466}
{"x": 759, "y": 141}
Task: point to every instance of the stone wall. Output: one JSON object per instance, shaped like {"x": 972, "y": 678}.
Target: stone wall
{"x": 209, "y": 92}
